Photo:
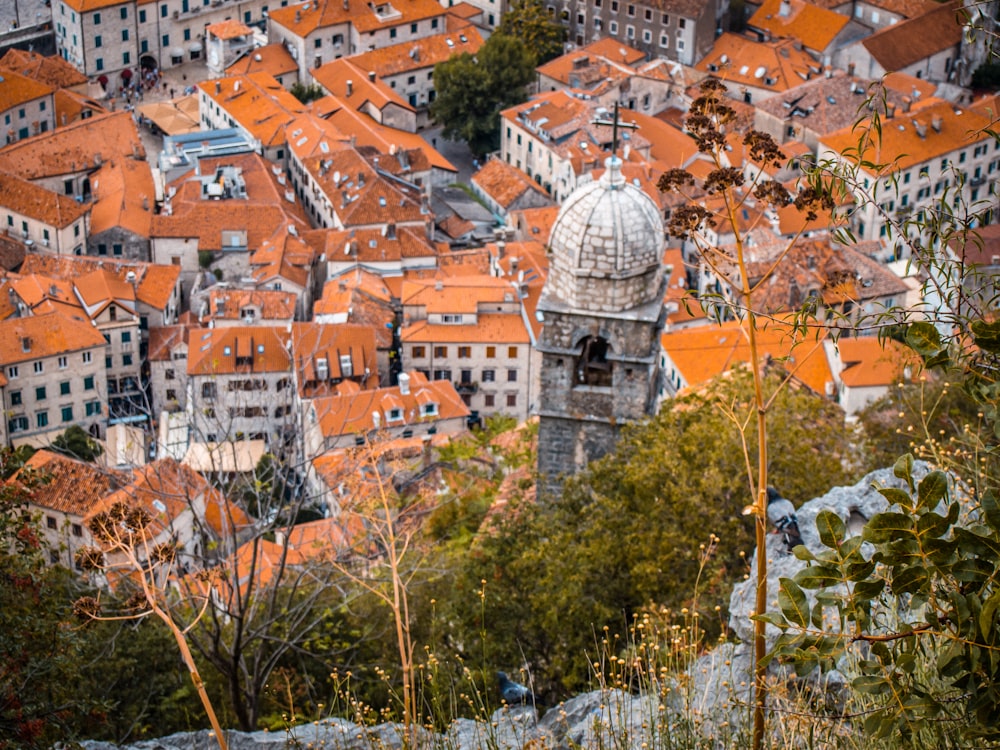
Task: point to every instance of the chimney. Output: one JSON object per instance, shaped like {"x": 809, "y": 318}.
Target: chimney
{"x": 404, "y": 384}
{"x": 25, "y": 344}
{"x": 850, "y": 70}
{"x": 97, "y": 159}
{"x": 425, "y": 453}
{"x": 361, "y": 179}
{"x": 298, "y": 16}
{"x": 350, "y": 87}
{"x": 429, "y": 229}
{"x": 390, "y": 230}
{"x": 906, "y": 103}
{"x": 514, "y": 261}
{"x": 785, "y": 9}
{"x": 439, "y": 286}
{"x": 921, "y": 128}
{"x": 371, "y": 76}
{"x": 145, "y": 203}
{"x": 218, "y": 88}
{"x": 936, "y": 123}
{"x": 890, "y": 110}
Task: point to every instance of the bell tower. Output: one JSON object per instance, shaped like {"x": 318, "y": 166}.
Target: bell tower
{"x": 602, "y": 308}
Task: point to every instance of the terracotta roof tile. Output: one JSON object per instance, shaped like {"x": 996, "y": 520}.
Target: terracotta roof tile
{"x": 70, "y": 486}
{"x": 222, "y": 351}
{"x": 315, "y": 341}
{"x": 39, "y": 203}
{"x": 47, "y": 336}
{"x": 503, "y": 182}
{"x": 815, "y": 27}
{"x": 702, "y": 353}
{"x": 869, "y": 362}
{"x": 903, "y": 44}
{"x": 228, "y": 29}
{"x": 272, "y": 59}
{"x": 154, "y": 283}
{"x": 774, "y": 66}
{"x": 124, "y": 197}
{"x": 72, "y": 107}
{"x": 53, "y": 71}
{"x": 335, "y": 75}
{"x": 164, "y": 339}
{"x": 421, "y": 53}
{"x": 17, "y": 90}
{"x": 498, "y": 328}
{"x": 360, "y": 14}
{"x": 228, "y": 304}
{"x": 261, "y": 105}
{"x": 535, "y": 223}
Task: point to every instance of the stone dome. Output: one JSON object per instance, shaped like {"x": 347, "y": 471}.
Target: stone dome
{"x": 607, "y": 246}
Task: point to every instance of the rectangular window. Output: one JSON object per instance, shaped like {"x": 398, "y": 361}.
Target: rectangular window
{"x": 511, "y": 376}
{"x": 92, "y": 408}
{"x": 613, "y": 27}
{"x": 163, "y": 11}
{"x": 126, "y": 337}
{"x": 88, "y": 383}
{"x": 464, "y": 352}
{"x": 440, "y": 351}
{"x": 97, "y": 19}
{"x": 418, "y": 352}
{"x": 42, "y": 419}
{"x": 127, "y": 360}
{"x": 39, "y": 367}
{"x": 64, "y": 388}
{"x": 142, "y": 16}
{"x": 488, "y": 400}
{"x": 491, "y": 351}
{"x": 489, "y": 376}
{"x": 67, "y": 413}
{"x": 512, "y": 352}
{"x": 12, "y": 372}
{"x": 124, "y": 35}
{"x": 77, "y": 529}
{"x": 87, "y": 358}
{"x": 124, "y": 13}
{"x": 62, "y": 363}
{"x": 98, "y": 41}
{"x": 15, "y": 398}
{"x": 50, "y": 522}
{"x": 40, "y": 393}
{"x": 511, "y": 399}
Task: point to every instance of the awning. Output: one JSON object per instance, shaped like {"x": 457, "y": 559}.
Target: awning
{"x": 194, "y": 47}
{"x": 103, "y": 80}
{"x": 177, "y": 52}
{"x": 126, "y": 74}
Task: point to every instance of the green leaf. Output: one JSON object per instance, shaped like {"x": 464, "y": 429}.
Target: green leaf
{"x": 869, "y": 589}
{"x": 831, "y": 528}
{"x": 987, "y": 335}
{"x": 886, "y": 527}
{"x": 933, "y": 488}
{"x": 870, "y": 684}
{"x": 991, "y": 509}
{"x": 903, "y": 469}
{"x": 923, "y": 338}
{"x": 792, "y": 601}
{"x": 895, "y": 496}
{"x": 802, "y": 552}
{"x": 910, "y": 580}
{"x": 817, "y": 577}
{"x": 932, "y": 525}
{"x": 771, "y": 618}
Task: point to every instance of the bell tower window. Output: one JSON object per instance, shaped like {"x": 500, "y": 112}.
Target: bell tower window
{"x": 592, "y": 366}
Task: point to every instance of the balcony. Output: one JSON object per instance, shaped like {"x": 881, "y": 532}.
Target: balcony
{"x": 467, "y": 388}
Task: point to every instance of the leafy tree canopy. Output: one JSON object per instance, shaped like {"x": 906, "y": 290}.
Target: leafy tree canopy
{"x": 529, "y": 21}
{"x": 471, "y": 91}
{"x": 75, "y": 442}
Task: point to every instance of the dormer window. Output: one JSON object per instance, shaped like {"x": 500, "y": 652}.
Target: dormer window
{"x": 429, "y": 410}
{"x": 395, "y": 415}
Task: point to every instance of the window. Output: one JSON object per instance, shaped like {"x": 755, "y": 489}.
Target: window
{"x": 413, "y": 28}
{"x": 18, "y": 424}
{"x": 488, "y": 400}
{"x": 172, "y": 395}
{"x": 317, "y": 43}
{"x": 665, "y": 19}
{"x": 613, "y": 27}
{"x": 87, "y": 358}
{"x": 142, "y": 16}
{"x": 77, "y": 529}
{"x": 442, "y": 375}
{"x": 682, "y": 23}
{"x": 163, "y": 11}
{"x": 64, "y": 389}
{"x": 124, "y": 13}
{"x": 50, "y": 522}
{"x": 208, "y": 390}
{"x": 15, "y": 398}
{"x": 647, "y": 36}
{"x": 429, "y": 410}
{"x": 124, "y": 35}
{"x": 88, "y": 383}
{"x": 93, "y": 408}
{"x": 98, "y": 41}
{"x": 464, "y": 352}
{"x": 511, "y": 376}
{"x": 97, "y": 19}
{"x": 511, "y": 399}
{"x": 440, "y": 351}
{"x": 39, "y": 367}
{"x": 512, "y": 352}
{"x": 631, "y": 11}
{"x": 491, "y": 351}
{"x": 649, "y": 14}
{"x": 67, "y": 413}
{"x": 169, "y": 375}
{"x": 40, "y": 393}
{"x": 489, "y": 376}
{"x": 42, "y": 419}
{"x": 126, "y": 360}
{"x": 126, "y": 337}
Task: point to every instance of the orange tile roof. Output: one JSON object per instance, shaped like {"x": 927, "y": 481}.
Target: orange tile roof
{"x": 215, "y": 351}
{"x": 903, "y": 44}
{"x": 614, "y": 49}
{"x": 945, "y": 128}
{"x": 50, "y": 70}
{"x": 101, "y": 288}
{"x": 501, "y": 328}
{"x": 314, "y": 341}
{"x": 526, "y": 263}
{"x": 73, "y": 148}
{"x": 774, "y": 66}
{"x": 283, "y": 256}
{"x": 504, "y": 182}
{"x": 69, "y": 485}
{"x": 124, "y": 197}
{"x": 815, "y": 27}
{"x": 350, "y": 412}
{"x": 228, "y": 304}
{"x": 536, "y": 223}
{"x": 164, "y": 339}
{"x": 465, "y": 11}
{"x": 704, "y": 352}
{"x": 154, "y": 283}
{"x": 48, "y": 335}
{"x": 261, "y": 105}
{"x": 363, "y": 299}
{"x": 379, "y": 246}
{"x": 335, "y": 75}
{"x": 869, "y": 362}
{"x": 272, "y": 59}
{"x": 418, "y": 54}
{"x": 17, "y": 90}
{"x": 39, "y": 203}
{"x": 228, "y": 29}
{"x": 71, "y": 106}
{"x": 455, "y": 294}
{"x": 362, "y": 15}
{"x": 367, "y": 132}
{"x": 84, "y": 6}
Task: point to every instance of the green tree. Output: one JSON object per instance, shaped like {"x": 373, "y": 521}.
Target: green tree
{"x": 529, "y": 21}
{"x": 627, "y": 532}
{"x": 76, "y": 443}
{"x": 472, "y": 90}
